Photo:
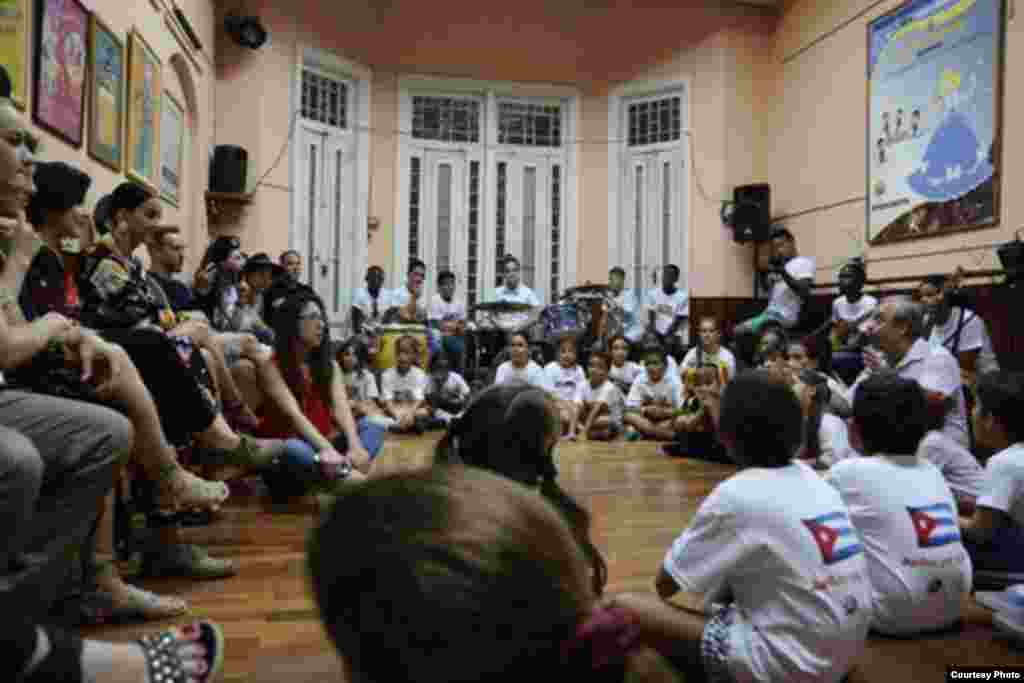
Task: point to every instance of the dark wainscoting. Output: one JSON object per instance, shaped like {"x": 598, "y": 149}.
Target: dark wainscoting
{"x": 1002, "y": 308}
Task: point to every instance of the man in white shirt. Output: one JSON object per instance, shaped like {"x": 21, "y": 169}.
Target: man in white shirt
{"x": 903, "y": 510}
{"x": 849, "y": 311}
{"x": 959, "y": 467}
{"x": 794, "y": 276}
{"x": 895, "y": 328}
{"x": 370, "y": 302}
{"x": 448, "y": 315}
{"x": 410, "y": 305}
{"x": 994, "y": 535}
{"x": 629, "y": 303}
{"x": 514, "y": 291}
{"x": 668, "y": 311}
{"x": 961, "y": 331}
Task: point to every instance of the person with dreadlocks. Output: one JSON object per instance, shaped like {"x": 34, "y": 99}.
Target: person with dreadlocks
{"x": 851, "y": 308}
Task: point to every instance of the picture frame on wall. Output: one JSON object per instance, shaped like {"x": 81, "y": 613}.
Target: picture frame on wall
{"x": 172, "y": 148}
{"x": 142, "y": 147}
{"x": 106, "y": 106}
{"x": 935, "y": 80}
{"x": 15, "y": 23}
{"x": 58, "y": 98}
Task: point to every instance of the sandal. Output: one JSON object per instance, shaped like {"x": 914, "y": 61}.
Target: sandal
{"x": 180, "y": 489}
{"x": 252, "y": 455}
{"x": 163, "y": 659}
{"x": 184, "y": 559}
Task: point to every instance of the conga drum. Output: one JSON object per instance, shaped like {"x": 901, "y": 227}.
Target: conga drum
{"x": 388, "y": 336}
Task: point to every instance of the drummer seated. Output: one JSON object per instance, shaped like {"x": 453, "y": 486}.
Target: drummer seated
{"x": 448, "y": 315}
{"x": 410, "y": 304}
{"x": 568, "y": 381}
{"x": 404, "y": 389}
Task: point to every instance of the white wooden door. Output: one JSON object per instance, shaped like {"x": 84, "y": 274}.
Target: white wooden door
{"x": 527, "y": 219}
{"x": 326, "y": 235}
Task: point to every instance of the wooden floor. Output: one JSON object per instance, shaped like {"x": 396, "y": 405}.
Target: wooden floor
{"x": 639, "y": 502}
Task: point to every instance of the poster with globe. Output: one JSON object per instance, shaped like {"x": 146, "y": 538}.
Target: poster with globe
{"x": 934, "y": 79}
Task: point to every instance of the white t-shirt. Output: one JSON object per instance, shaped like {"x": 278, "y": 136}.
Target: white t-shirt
{"x": 973, "y": 337}
{"x": 667, "y": 307}
{"x": 935, "y": 370}
{"x": 722, "y": 358}
{"x": 520, "y": 295}
{"x": 364, "y": 302}
{"x": 907, "y": 520}
{"x": 624, "y": 376}
{"x": 644, "y": 391}
{"x": 568, "y": 382}
{"x": 1004, "y": 483}
{"x": 401, "y": 296}
{"x": 532, "y": 374}
{"x": 446, "y": 310}
{"x": 959, "y": 467}
{"x": 833, "y": 440}
{"x": 454, "y": 385}
{"x": 780, "y": 544}
{"x": 633, "y": 310}
{"x": 609, "y": 395}
{"x": 671, "y": 371}
{"x": 362, "y": 385}
{"x": 412, "y": 386}
{"x": 842, "y": 309}
{"x": 784, "y": 300}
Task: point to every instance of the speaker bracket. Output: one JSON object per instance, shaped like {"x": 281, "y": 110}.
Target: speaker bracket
{"x": 225, "y": 208}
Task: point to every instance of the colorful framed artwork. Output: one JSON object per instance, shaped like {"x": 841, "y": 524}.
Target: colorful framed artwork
{"x": 106, "y": 106}
{"x": 935, "y": 79}
{"x": 15, "y": 17}
{"x": 172, "y": 148}
{"x": 58, "y": 101}
{"x": 144, "y": 94}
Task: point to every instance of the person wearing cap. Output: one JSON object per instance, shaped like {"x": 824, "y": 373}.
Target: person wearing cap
{"x": 258, "y": 274}
{"x": 994, "y": 535}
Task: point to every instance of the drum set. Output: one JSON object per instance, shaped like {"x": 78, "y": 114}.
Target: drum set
{"x": 589, "y": 314}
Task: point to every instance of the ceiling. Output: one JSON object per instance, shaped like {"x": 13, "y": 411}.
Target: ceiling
{"x": 590, "y": 43}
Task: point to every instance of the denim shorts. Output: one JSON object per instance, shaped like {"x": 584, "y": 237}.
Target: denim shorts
{"x": 715, "y": 646}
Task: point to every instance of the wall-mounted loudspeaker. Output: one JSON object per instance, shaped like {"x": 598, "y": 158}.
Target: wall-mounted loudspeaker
{"x": 228, "y": 169}
{"x": 749, "y": 213}
{"x": 246, "y": 31}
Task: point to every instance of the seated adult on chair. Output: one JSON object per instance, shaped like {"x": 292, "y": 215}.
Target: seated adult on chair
{"x": 668, "y": 311}
{"x": 514, "y": 291}
{"x": 410, "y": 304}
{"x": 994, "y": 536}
{"x": 794, "y": 276}
{"x": 448, "y": 314}
{"x": 849, "y": 310}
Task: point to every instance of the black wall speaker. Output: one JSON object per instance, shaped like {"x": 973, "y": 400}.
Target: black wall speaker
{"x": 228, "y": 169}
{"x": 752, "y": 213}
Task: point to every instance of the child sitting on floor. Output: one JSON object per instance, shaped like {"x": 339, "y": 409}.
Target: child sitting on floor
{"x": 696, "y": 436}
{"x": 404, "y": 389}
{"x": 653, "y": 401}
{"x": 568, "y": 380}
{"x": 775, "y": 583}
{"x": 520, "y": 367}
{"x": 447, "y": 391}
{"x": 603, "y": 403}
{"x": 360, "y": 383}
{"x": 903, "y": 511}
{"x": 623, "y": 371}
{"x": 825, "y": 438}
{"x": 994, "y": 535}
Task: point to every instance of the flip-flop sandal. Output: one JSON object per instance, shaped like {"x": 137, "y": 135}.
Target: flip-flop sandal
{"x": 163, "y": 659}
{"x": 191, "y": 492}
{"x": 186, "y": 560}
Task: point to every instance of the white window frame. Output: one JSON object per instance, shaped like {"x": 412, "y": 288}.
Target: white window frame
{"x": 490, "y": 92}
{"x": 359, "y": 78}
{"x": 618, "y": 151}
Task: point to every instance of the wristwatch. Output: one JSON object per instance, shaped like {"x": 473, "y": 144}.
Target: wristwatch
{"x": 341, "y": 470}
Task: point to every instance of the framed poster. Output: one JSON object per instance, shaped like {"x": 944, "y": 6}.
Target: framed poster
{"x": 14, "y": 31}
{"x": 144, "y": 90}
{"x": 934, "y": 97}
{"x": 106, "y": 106}
{"x": 58, "y": 102}
{"x": 172, "y": 148}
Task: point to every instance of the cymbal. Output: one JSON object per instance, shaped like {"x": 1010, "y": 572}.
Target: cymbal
{"x": 502, "y": 307}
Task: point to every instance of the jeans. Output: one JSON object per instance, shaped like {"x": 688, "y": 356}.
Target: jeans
{"x": 455, "y": 347}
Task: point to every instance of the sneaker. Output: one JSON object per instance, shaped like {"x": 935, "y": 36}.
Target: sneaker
{"x": 632, "y": 435}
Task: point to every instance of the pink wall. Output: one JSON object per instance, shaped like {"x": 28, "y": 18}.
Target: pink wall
{"x": 817, "y": 145}
{"x": 189, "y": 76}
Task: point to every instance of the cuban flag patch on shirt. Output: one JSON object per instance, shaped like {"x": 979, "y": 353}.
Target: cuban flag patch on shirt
{"x": 836, "y": 538}
{"x": 934, "y": 525}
